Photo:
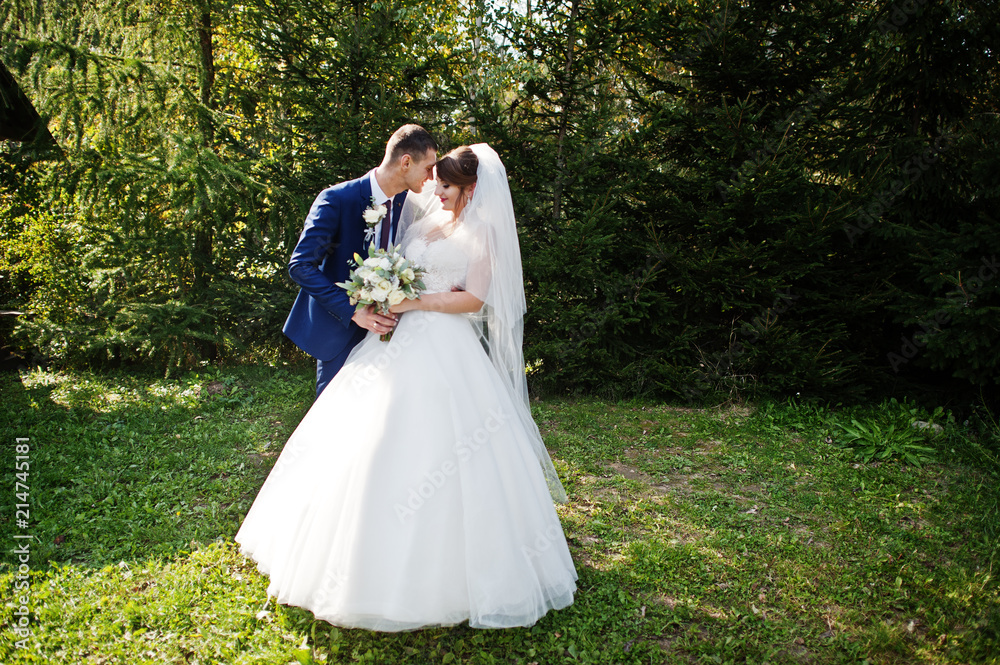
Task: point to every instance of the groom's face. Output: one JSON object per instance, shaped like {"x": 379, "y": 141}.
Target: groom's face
{"x": 419, "y": 171}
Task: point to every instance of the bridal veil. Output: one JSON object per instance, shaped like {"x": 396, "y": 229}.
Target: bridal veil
{"x": 495, "y": 277}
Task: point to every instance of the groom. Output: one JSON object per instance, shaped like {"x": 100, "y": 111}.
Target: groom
{"x": 323, "y": 323}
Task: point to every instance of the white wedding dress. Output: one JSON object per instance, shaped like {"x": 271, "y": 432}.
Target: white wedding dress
{"x": 410, "y": 495}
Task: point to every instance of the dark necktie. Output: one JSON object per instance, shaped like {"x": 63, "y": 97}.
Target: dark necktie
{"x": 383, "y": 241}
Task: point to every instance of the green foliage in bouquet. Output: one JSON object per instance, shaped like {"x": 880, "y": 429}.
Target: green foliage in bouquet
{"x": 383, "y": 279}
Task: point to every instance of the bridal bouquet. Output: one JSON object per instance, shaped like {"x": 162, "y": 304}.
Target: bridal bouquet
{"x": 384, "y": 279}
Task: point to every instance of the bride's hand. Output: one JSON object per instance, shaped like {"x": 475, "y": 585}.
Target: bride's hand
{"x": 405, "y": 306}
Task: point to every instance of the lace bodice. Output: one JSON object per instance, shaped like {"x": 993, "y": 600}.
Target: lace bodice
{"x": 444, "y": 259}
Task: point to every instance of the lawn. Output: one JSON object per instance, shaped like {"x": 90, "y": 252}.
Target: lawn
{"x": 728, "y": 534}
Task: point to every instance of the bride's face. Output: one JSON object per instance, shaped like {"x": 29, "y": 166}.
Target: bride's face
{"x": 453, "y": 198}
{"x": 448, "y": 194}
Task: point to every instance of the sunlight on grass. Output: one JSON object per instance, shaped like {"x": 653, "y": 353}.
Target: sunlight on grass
{"x": 732, "y": 535}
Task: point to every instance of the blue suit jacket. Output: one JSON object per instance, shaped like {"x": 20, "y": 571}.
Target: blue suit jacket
{"x": 320, "y": 321}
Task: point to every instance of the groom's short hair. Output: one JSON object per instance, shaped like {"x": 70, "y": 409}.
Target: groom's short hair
{"x": 409, "y": 139}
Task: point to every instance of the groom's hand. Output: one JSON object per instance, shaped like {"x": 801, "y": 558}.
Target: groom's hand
{"x": 369, "y": 319}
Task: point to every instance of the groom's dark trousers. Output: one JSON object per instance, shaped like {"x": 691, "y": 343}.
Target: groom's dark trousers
{"x": 320, "y": 321}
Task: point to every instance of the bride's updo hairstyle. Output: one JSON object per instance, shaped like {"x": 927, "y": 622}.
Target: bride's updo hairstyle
{"x": 459, "y": 168}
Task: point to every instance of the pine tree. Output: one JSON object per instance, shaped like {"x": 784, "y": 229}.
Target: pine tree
{"x": 195, "y": 136}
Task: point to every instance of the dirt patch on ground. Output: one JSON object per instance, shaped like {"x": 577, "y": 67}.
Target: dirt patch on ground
{"x": 734, "y": 411}
{"x": 631, "y": 473}
{"x": 681, "y": 482}
{"x": 707, "y": 447}
{"x": 263, "y": 460}
{"x": 806, "y": 536}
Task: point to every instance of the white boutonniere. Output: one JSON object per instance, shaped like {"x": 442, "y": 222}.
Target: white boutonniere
{"x": 373, "y": 214}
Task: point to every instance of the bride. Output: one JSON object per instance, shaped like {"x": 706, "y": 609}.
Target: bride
{"x": 417, "y": 491}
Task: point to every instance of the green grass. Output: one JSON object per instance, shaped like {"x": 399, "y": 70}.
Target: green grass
{"x": 727, "y": 535}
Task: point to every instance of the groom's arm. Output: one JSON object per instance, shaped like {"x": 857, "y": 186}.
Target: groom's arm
{"x": 320, "y": 236}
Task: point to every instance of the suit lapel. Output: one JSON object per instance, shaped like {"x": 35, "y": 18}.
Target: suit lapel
{"x": 365, "y": 190}
{"x": 365, "y": 193}
{"x": 357, "y": 223}
{"x": 397, "y": 212}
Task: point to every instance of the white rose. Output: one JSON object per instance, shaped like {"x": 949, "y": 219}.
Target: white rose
{"x": 408, "y": 275}
{"x": 383, "y": 284}
{"x": 379, "y": 294}
{"x": 384, "y": 264}
{"x": 396, "y": 297}
{"x": 364, "y": 272}
{"x": 372, "y": 216}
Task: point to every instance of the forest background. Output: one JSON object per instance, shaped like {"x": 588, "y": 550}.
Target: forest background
{"x": 737, "y": 197}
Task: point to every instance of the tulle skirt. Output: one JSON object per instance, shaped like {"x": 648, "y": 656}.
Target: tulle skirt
{"x": 410, "y": 495}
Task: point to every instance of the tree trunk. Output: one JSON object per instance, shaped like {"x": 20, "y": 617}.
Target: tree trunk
{"x": 566, "y": 102}
{"x": 205, "y": 232}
